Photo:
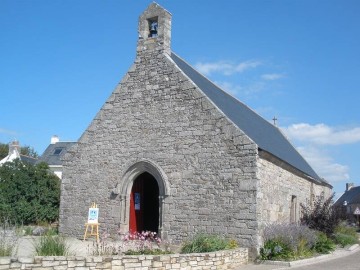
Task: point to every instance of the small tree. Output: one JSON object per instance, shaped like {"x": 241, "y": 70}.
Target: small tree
{"x": 322, "y": 215}
{"x": 4, "y": 150}
{"x": 28, "y": 193}
{"x": 28, "y": 151}
{"x": 24, "y": 150}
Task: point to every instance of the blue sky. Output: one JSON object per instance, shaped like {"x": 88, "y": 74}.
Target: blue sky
{"x": 296, "y": 60}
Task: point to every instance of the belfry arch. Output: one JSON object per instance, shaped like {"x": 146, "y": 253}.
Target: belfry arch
{"x": 131, "y": 175}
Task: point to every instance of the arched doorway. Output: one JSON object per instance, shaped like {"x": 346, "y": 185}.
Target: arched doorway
{"x": 144, "y": 204}
{"x": 132, "y": 172}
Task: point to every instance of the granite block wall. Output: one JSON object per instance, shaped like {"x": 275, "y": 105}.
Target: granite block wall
{"x": 281, "y": 192}
{"x": 157, "y": 115}
{"x": 227, "y": 259}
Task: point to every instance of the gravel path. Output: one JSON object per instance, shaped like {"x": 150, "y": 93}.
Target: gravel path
{"x": 25, "y": 246}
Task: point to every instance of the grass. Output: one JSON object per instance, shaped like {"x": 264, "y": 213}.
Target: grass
{"x": 207, "y": 243}
{"x": 345, "y": 235}
{"x": 345, "y": 239}
{"x": 50, "y": 245}
{"x": 8, "y": 239}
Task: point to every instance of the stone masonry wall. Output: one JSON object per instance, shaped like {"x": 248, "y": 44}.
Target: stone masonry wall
{"x": 227, "y": 259}
{"x": 157, "y": 114}
{"x": 276, "y": 191}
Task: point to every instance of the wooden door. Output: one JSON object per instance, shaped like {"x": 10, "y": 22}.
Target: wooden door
{"x": 136, "y": 223}
{"x": 144, "y": 204}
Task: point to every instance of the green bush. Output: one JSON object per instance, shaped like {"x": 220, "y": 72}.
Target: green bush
{"x": 50, "y": 245}
{"x": 207, "y": 243}
{"x": 276, "y": 249}
{"x": 345, "y": 239}
{"x": 303, "y": 250}
{"x": 29, "y": 194}
{"x": 28, "y": 230}
{"x": 345, "y": 235}
{"x": 346, "y": 230}
{"x": 323, "y": 244}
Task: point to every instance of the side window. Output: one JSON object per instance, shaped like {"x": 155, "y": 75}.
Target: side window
{"x": 293, "y": 209}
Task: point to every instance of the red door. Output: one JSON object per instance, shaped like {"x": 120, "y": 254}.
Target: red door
{"x": 144, "y": 204}
{"x": 137, "y": 206}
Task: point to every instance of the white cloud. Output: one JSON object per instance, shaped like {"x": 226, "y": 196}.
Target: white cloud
{"x": 312, "y": 141}
{"x": 241, "y": 91}
{"x": 322, "y": 134}
{"x": 8, "y": 132}
{"x": 324, "y": 165}
{"x": 226, "y": 68}
{"x": 272, "y": 76}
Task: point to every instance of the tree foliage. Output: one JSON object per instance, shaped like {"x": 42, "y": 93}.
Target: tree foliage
{"x": 4, "y": 150}
{"x": 28, "y": 151}
{"x": 24, "y": 150}
{"x": 322, "y": 215}
{"x": 28, "y": 193}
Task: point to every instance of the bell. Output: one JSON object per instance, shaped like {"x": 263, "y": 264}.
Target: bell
{"x": 153, "y": 26}
{"x": 153, "y": 29}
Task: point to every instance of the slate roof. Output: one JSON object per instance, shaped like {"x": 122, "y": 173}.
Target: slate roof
{"x": 54, "y": 153}
{"x": 14, "y": 154}
{"x": 28, "y": 159}
{"x": 267, "y": 136}
{"x": 351, "y": 196}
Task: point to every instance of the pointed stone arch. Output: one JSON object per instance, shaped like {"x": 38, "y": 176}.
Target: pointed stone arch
{"x": 124, "y": 189}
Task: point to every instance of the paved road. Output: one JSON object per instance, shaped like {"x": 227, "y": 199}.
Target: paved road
{"x": 339, "y": 261}
{"x": 350, "y": 262}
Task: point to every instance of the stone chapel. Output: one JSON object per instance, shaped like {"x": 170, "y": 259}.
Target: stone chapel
{"x": 171, "y": 152}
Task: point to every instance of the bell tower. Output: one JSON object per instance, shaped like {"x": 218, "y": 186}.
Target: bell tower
{"x": 154, "y": 30}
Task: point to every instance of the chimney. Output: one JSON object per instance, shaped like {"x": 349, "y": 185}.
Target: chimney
{"x": 14, "y": 146}
{"x": 54, "y": 139}
{"x": 349, "y": 186}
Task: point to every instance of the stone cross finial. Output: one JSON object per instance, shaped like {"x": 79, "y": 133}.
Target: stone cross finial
{"x": 275, "y": 119}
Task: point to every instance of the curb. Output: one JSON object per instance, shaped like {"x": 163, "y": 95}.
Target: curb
{"x": 335, "y": 254}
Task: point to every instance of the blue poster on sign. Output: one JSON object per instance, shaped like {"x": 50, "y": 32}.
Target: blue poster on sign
{"x": 137, "y": 201}
{"x": 93, "y": 215}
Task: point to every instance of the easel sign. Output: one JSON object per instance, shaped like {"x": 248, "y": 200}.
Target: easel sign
{"x": 92, "y": 222}
{"x": 93, "y": 216}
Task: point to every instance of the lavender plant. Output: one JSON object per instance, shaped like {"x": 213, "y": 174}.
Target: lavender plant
{"x": 287, "y": 241}
{"x": 290, "y": 234}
